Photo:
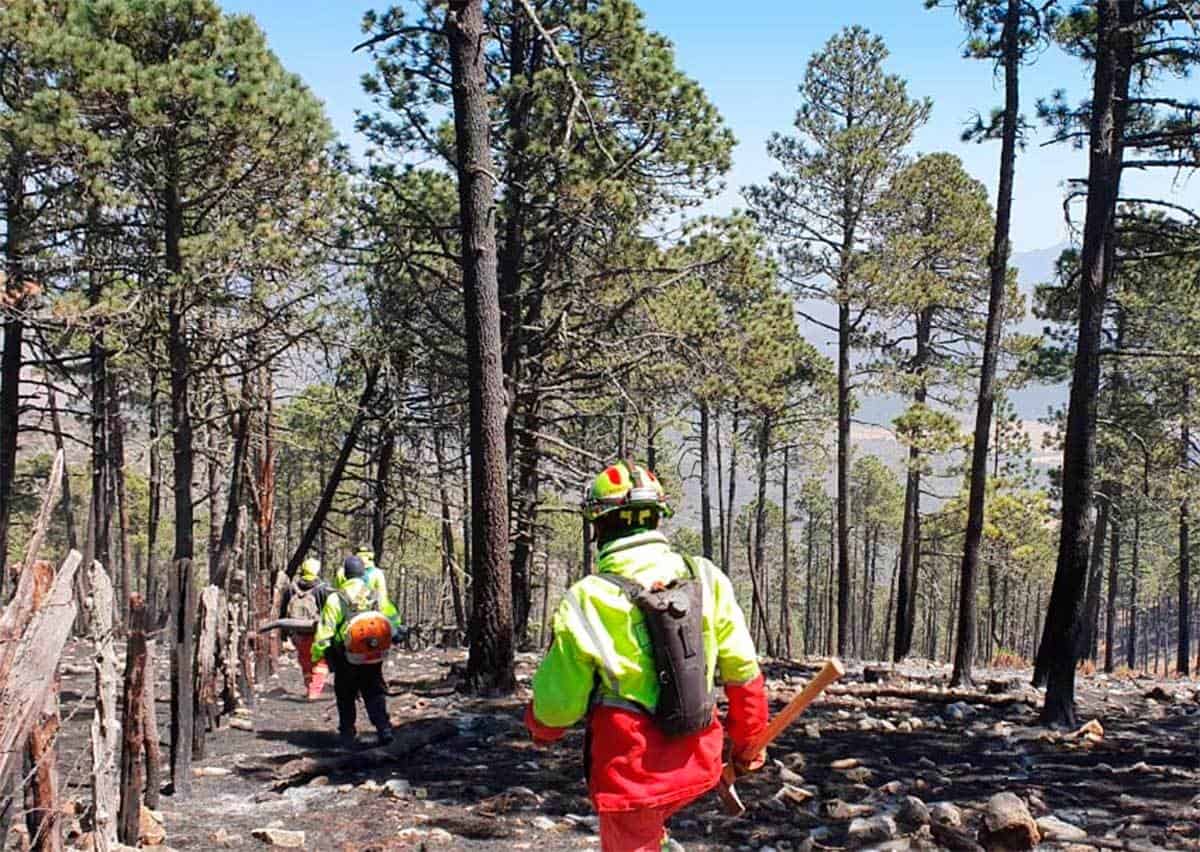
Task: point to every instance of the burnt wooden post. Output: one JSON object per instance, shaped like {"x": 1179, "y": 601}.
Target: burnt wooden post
{"x": 152, "y": 743}
{"x": 104, "y": 718}
{"x": 183, "y": 649}
{"x": 44, "y": 818}
{"x": 133, "y": 776}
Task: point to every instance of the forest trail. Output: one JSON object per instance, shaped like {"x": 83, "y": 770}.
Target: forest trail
{"x": 484, "y": 786}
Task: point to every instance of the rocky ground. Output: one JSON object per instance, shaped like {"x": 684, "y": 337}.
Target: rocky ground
{"x": 895, "y": 764}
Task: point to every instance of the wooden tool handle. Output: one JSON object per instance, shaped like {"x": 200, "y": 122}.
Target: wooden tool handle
{"x": 832, "y": 670}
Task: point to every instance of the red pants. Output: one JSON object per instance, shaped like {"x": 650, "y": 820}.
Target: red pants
{"x": 314, "y": 675}
{"x": 635, "y": 831}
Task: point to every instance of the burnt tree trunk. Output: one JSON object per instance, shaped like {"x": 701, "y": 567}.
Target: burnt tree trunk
{"x": 706, "y": 527}
{"x": 1110, "y": 611}
{"x": 1183, "y": 649}
{"x": 491, "y": 660}
{"x": 964, "y": 652}
{"x": 16, "y": 234}
{"x": 1065, "y": 622}
{"x": 155, "y": 508}
{"x": 843, "y": 467}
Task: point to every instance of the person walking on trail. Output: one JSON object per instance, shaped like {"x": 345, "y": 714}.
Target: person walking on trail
{"x": 358, "y": 626}
{"x": 374, "y": 575}
{"x": 303, "y": 601}
{"x": 636, "y": 650}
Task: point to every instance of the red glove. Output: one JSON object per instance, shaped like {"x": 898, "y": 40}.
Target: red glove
{"x": 744, "y": 766}
{"x": 542, "y": 734}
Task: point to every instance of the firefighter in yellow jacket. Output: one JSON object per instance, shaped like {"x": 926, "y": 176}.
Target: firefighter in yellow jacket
{"x": 357, "y": 628}
{"x": 603, "y": 665}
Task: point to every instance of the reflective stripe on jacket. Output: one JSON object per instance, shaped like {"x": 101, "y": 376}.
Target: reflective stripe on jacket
{"x": 601, "y": 637}
{"x": 331, "y": 630}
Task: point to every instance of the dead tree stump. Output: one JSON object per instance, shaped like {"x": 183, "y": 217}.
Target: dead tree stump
{"x": 133, "y": 776}
{"x": 104, "y": 718}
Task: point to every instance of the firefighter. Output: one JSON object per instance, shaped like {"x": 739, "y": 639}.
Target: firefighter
{"x": 642, "y": 766}
{"x": 303, "y": 601}
{"x": 357, "y": 627}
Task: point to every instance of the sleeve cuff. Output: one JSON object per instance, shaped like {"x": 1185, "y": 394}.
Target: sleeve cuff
{"x": 541, "y": 733}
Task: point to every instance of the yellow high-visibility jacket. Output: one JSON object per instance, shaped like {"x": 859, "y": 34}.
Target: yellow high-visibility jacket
{"x": 600, "y": 636}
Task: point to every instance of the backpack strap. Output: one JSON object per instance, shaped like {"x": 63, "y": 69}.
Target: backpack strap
{"x": 630, "y": 588}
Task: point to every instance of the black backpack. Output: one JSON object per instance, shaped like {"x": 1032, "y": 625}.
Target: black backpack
{"x": 674, "y": 618}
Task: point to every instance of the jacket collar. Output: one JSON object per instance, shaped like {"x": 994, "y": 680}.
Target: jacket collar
{"x": 629, "y": 542}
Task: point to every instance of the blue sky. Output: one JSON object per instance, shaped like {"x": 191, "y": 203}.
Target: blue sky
{"x": 749, "y": 57}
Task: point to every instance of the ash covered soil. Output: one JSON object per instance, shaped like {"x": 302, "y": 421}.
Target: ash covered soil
{"x": 906, "y": 769}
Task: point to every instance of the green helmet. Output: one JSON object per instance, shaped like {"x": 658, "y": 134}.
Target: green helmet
{"x": 625, "y": 486}
{"x": 310, "y": 569}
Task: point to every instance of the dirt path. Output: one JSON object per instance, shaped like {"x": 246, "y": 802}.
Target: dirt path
{"x": 488, "y": 788}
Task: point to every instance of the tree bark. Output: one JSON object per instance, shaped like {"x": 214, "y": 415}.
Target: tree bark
{"x": 758, "y": 566}
{"x": 964, "y": 652}
{"x": 1065, "y": 623}
{"x": 491, "y": 660}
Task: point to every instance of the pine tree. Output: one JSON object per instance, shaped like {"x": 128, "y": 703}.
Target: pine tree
{"x": 852, "y": 127}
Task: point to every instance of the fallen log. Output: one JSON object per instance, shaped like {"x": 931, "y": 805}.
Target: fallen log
{"x": 406, "y": 739}
{"x": 931, "y": 695}
{"x": 300, "y": 625}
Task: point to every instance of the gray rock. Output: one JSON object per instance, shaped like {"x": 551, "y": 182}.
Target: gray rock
{"x": 913, "y": 811}
{"x": 1053, "y": 828}
{"x": 867, "y": 831}
{"x": 398, "y": 787}
{"x": 946, "y": 814}
{"x": 279, "y": 837}
{"x": 958, "y": 711}
{"x": 543, "y": 823}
